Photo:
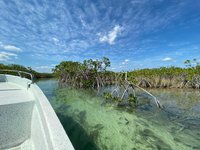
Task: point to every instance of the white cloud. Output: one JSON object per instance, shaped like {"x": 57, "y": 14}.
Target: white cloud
{"x": 125, "y": 62}
{"x": 53, "y": 65}
{"x": 11, "y": 48}
{"x": 55, "y": 40}
{"x": 6, "y": 56}
{"x": 167, "y": 59}
{"x": 43, "y": 67}
{"x": 111, "y": 36}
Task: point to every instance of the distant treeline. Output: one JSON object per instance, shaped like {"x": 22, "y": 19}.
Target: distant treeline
{"x": 25, "y": 69}
{"x": 167, "y": 77}
{"x": 93, "y": 73}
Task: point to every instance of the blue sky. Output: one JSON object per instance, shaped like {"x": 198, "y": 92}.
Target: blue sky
{"x": 132, "y": 33}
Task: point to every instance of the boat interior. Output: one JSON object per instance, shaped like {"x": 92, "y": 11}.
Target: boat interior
{"x": 27, "y": 120}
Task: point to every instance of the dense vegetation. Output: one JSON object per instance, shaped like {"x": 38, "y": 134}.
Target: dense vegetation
{"x": 171, "y": 77}
{"x": 89, "y": 74}
{"x": 93, "y": 74}
{"x": 25, "y": 69}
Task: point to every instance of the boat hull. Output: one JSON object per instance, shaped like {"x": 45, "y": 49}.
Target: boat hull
{"x": 33, "y": 119}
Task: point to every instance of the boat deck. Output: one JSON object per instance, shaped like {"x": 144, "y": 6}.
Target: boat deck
{"x": 27, "y": 120}
{"x": 13, "y": 100}
{"x": 11, "y": 93}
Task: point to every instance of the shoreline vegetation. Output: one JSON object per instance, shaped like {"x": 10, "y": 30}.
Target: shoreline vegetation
{"x": 94, "y": 74}
{"x": 36, "y": 74}
{"x": 171, "y": 77}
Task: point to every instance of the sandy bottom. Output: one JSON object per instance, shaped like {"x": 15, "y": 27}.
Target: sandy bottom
{"x": 109, "y": 127}
{"x": 91, "y": 124}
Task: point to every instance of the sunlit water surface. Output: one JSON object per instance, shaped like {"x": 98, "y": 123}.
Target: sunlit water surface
{"x": 91, "y": 124}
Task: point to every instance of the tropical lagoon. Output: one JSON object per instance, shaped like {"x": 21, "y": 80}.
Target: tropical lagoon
{"x": 92, "y": 124}
{"x": 100, "y": 74}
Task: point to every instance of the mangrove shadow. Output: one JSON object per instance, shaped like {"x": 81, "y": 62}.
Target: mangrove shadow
{"x": 77, "y": 135}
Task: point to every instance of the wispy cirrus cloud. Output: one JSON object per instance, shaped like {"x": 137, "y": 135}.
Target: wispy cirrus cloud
{"x": 11, "y": 48}
{"x": 10, "y": 56}
{"x": 134, "y": 29}
{"x": 7, "y": 56}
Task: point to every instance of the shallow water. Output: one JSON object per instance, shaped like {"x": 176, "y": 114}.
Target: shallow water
{"x": 90, "y": 124}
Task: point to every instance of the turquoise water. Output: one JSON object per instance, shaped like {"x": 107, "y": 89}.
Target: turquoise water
{"x": 92, "y": 124}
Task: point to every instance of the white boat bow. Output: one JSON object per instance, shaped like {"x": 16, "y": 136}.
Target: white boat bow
{"x": 27, "y": 119}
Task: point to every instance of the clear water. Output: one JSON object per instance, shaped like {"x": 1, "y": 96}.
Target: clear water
{"x": 90, "y": 124}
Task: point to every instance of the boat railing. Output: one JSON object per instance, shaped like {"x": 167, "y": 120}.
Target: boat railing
{"x": 20, "y": 73}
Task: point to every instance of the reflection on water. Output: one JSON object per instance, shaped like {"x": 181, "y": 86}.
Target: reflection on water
{"x": 91, "y": 125}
